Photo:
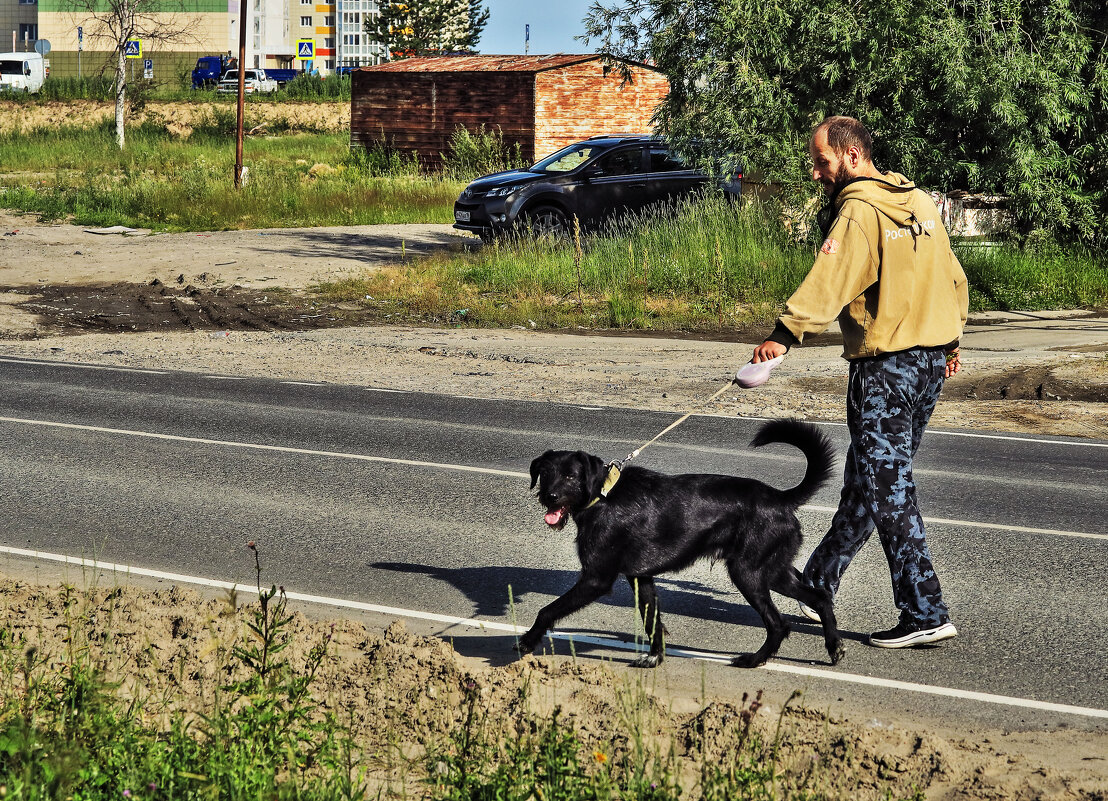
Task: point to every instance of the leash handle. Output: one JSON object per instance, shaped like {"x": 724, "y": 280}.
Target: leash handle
{"x": 670, "y": 427}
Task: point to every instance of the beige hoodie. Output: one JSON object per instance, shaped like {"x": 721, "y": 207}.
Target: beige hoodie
{"x": 885, "y": 270}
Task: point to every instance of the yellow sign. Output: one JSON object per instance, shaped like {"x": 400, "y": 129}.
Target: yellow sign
{"x": 305, "y": 49}
{"x": 133, "y": 48}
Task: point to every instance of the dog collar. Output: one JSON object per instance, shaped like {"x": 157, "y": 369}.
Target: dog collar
{"x": 609, "y": 482}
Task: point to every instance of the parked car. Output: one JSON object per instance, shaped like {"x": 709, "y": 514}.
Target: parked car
{"x": 22, "y": 72}
{"x": 282, "y": 74}
{"x": 209, "y": 69}
{"x": 256, "y": 81}
{"x": 592, "y": 180}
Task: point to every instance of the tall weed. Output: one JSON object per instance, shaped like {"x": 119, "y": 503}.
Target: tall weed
{"x": 473, "y": 154}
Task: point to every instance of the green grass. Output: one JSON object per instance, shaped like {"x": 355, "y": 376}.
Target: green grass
{"x": 704, "y": 266}
{"x": 1006, "y": 278}
{"x": 172, "y": 184}
{"x": 329, "y": 89}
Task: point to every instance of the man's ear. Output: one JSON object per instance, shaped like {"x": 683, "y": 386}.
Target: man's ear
{"x": 854, "y": 155}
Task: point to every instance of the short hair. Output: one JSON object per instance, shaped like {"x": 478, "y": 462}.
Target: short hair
{"x": 844, "y": 133}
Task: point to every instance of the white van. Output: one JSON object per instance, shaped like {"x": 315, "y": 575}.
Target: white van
{"x": 22, "y": 72}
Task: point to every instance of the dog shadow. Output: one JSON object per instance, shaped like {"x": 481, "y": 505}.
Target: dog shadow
{"x": 492, "y": 590}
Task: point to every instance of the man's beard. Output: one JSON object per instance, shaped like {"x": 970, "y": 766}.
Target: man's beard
{"x": 841, "y": 178}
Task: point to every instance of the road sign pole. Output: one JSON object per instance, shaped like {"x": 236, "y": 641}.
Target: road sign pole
{"x": 242, "y": 93}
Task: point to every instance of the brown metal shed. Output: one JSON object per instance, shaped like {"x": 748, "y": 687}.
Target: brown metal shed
{"x": 541, "y": 102}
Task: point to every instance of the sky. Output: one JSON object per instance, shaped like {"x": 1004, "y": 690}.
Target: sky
{"x": 554, "y": 23}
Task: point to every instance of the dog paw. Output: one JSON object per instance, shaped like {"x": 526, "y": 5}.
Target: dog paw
{"x": 648, "y": 661}
{"x": 523, "y": 648}
{"x": 747, "y": 661}
{"x": 837, "y": 652}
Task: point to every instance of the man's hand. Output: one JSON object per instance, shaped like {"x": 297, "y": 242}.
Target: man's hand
{"x": 768, "y": 350}
{"x": 953, "y": 362}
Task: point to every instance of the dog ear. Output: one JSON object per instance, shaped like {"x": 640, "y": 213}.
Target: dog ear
{"x": 536, "y": 466}
{"x": 594, "y": 472}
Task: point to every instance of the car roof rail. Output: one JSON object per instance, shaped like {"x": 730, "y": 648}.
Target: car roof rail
{"x": 624, "y": 137}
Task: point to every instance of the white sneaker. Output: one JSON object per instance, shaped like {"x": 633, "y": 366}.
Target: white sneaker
{"x": 809, "y": 612}
{"x": 907, "y": 635}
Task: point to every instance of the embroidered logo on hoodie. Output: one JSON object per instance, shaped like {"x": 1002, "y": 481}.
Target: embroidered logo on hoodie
{"x": 830, "y": 246}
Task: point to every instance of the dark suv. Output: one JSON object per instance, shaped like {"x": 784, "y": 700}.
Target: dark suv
{"x": 592, "y": 180}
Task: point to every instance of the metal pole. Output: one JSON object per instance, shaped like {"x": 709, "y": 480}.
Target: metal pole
{"x": 242, "y": 93}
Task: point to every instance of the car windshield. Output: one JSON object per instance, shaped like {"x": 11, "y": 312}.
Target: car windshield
{"x": 566, "y": 159}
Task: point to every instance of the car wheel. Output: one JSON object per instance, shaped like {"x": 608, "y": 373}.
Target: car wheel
{"x": 547, "y": 221}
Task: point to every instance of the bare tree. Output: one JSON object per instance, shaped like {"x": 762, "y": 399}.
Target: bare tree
{"x": 115, "y": 22}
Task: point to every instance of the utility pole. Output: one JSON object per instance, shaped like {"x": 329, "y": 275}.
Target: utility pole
{"x": 242, "y": 93}
{"x": 526, "y": 39}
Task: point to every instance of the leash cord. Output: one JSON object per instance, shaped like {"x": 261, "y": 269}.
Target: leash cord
{"x": 620, "y": 462}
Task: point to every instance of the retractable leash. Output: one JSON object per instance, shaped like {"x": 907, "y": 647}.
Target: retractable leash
{"x": 749, "y": 375}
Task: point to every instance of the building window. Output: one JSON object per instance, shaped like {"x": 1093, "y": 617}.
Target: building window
{"x": 351, "y": 39}
{"x": 329, "y": 41}
{"x": 329, "y": 20}
{"x": 28, "y": 32}
{"x": 27, "y": 2}
{"x": 306, "y": 22}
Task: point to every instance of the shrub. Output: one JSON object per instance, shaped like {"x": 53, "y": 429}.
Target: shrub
{"x": 475, "y": 154}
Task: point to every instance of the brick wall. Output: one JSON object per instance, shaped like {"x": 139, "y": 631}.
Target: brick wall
{"x": 577, "y": 102}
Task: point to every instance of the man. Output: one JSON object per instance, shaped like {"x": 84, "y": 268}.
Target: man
{"x": 887, "y": 272}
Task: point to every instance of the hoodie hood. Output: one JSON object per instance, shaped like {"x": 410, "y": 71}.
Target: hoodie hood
{"x": 891, "y": 195}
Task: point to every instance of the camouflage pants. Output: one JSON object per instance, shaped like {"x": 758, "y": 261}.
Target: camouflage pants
{"x": 889, "y": 402}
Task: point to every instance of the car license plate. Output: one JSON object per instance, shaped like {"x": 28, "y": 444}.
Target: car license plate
{"x": 461, "y": 216}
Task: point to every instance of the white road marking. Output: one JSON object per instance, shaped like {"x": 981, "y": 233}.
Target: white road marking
{"x": 226, "y": 377}
{"x": 303, "y": 383}
{"x": 492, "y": 625}
{"x": 471, "y": 469}
{"x": 85, "y": 366}
{"x": 278, "y": 448}
{"x": 945, "y": 433}
{"x": 946, "y": 521}
{"x": 930, "y": 430}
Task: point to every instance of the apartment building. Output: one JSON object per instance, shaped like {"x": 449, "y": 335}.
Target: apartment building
{"x": 80, "y": 45}
{"x": 273, "y": 27}
{"x": 338, "y": 29}
{"x": 270, "y": 32}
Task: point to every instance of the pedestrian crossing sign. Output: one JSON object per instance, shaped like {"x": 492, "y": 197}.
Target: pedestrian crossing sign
{"x": 133, "y": 48}
{"x": 305, "y": 49}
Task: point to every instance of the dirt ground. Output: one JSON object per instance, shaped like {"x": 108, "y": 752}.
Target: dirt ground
{"x": 179, "y": 117}
{"x": 402, "y": 694}
{"x": 239, "y": 303}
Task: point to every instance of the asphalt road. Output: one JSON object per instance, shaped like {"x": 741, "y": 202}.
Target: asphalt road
{"x": 149, "y": 470}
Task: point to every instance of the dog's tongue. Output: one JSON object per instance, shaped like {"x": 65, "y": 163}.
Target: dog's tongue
{"x": 554, "y": 517}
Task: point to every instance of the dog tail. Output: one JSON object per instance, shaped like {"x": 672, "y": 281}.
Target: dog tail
{"x": 815, "y": 445}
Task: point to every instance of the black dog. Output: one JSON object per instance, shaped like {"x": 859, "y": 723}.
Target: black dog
{"x": 647, "y": 523}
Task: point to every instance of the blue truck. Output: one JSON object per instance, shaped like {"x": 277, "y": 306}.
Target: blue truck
{"x": 209, "y": 69}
